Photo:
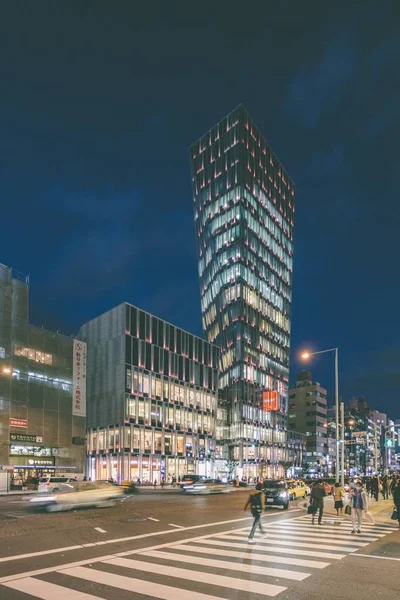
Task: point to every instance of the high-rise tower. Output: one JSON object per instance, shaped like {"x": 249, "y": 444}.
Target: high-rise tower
{"x": 244, "y": 214}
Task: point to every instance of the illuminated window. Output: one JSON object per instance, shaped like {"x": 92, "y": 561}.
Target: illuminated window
{"x": 32, "y": 354}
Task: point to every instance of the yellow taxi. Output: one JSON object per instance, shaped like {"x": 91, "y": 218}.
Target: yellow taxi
{"x": 297, "y": 489}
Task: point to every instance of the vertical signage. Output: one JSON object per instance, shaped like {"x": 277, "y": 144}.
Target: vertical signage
{"x": 79, "y": 379}
{"x": 270, "y": 401}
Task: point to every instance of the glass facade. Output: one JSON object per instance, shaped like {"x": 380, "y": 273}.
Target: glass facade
{"x": 155, "y": 418}
{"x": 244, "y": 215}
{"x": 38, "y": 431}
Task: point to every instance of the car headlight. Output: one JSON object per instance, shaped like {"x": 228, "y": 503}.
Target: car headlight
{"x": 283, "y": 495}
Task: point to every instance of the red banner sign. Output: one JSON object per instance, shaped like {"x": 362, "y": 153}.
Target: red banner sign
{"x": 18, "y": 423}
{"x": 270, "y": 401}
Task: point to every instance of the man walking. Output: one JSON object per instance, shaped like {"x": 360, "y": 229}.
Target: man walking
{"x": 256, "y": 502}
{"x": 317, "y": 501}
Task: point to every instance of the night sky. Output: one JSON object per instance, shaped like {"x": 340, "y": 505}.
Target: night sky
{"x": 100, "y": 102}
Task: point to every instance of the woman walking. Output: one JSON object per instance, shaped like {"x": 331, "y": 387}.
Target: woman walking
{"x": 338, "y": 495}
{"x": 359, "y": 502}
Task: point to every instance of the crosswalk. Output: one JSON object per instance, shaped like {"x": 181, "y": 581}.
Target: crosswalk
{"x": 206, "y": 567}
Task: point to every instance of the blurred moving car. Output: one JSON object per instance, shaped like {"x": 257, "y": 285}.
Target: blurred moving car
{"x": 55, "y": 484}
{"x": 276, "y": 493}
{"x": 81, "y": 494}
{"x": 208, "y": 486}
{"x": 188, "y": 480}
{"x": 297, "y": 489}
{"x": 242, "y": 483}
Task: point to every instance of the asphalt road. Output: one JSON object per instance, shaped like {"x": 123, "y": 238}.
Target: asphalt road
{"x": 173, "y": 546}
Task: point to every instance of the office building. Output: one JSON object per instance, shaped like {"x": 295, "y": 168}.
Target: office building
{"x": 152, "y": 398}
{"x": 42, "y": 391}
{"x": 244, "y": 215}
{"x": 308, "y": 414}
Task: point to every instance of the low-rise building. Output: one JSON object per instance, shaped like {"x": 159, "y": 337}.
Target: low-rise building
{"x": 308, "y": 414}
{"x": 152, "y": 398}
{"x": 42, "y": 391}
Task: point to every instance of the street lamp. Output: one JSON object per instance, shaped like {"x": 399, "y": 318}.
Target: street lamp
{"x": 306, "y": 356}
{"x": 6, "y": 370}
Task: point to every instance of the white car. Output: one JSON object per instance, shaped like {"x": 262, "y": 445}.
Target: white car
{"x": 81, "y": 494}
{"x": 208, "y": 486}
{"x": 55, "y": 484}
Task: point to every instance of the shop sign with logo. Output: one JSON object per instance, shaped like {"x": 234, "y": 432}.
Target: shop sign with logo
{"x": 18, "y": 423}
{"x": 79, "y": 379}
{"x": 41, "y": 462}
{"x": 24, "y": 437}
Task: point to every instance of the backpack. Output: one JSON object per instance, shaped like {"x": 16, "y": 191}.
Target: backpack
{"x": 255, "y": 500}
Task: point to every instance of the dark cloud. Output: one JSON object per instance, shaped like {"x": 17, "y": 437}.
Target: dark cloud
{"x": 99, "y": 108}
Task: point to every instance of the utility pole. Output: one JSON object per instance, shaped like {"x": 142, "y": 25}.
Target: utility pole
{"x": 376, "y": 446}
{"x": 342, "y": 441}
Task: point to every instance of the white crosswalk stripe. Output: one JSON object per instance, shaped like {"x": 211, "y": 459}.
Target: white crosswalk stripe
{"x": 206, "y": 567}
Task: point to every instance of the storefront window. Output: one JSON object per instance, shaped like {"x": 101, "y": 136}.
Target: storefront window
{"x": 189, "y": 446}
{"x": 176, "y": 389}
{"x": 131, "y": 411}
{"x": 111, "y": 438}
{"x": 146, "y": 384}
{"x": 171, "y": 417}
{"x": 136, "y": 445}
{"x": 101, "y": 438}
{"x": 141, "y": 409}
{"x": 158, "y": 442}
{"x": 181, "y": 393}
{"x": 165, "y": 386}
{"x": 147, "y": 412}
{"x": 135, "y": 382}
{"x": 180, "y": 444}
{"x": 208, "y": 401}
{"x": 191, "y": 396}
{"x": 155, "y": 413}
{"x": 153, "y": 387}
{"x": 158, "y": 388}
{"x": 148, "y": 441}
{"x": 168, "y": 444}
{"x": 127, "y": 437}
{"x": 189, "y": 420}
{"x": 178, "y": 417}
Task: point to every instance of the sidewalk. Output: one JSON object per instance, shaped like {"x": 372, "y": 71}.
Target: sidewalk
{"x": 381, "y": 510}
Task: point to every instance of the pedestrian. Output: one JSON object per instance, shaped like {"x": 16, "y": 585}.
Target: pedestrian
{"x": 237, "y": 482}
{"x": 368, "y": 487}
{"x": 338, "y": 495}
{"x": 385, "y": 487}
{"x": 173, "y": 481}
{"x": 396, "y": 499}
{"x": 393, "y": 484}
{"x": 358, "y": 503}
{"x": 375, "y": 487}
{"x": 256, "y": 502}
{"x": 155, "y": 484}
{"x": 317, "y": 501}
{"x": 162, "y": 482}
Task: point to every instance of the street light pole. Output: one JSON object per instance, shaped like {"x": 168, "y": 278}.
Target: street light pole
{"x": 342, "y": 442}
{"x": 306, "y": 356}
{"x": 337, "y": 414}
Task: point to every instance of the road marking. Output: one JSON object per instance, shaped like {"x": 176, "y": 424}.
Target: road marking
{"x": 296, "y": 562}
{"x": 293, "y": 544}
{"x": 230, "y": 566}
{"x": 89, "y": 561}
{"x": 125, "y": 539}
{"x": 328, "y": 528}
{"x": 152, "y": 519}
{"x": 254, "y": 587}
{"x": 328, "y": 555}
{"x": 177, "y": 526}
{"x": 139, "y": 586}
{"x": 47, "y": 591}
{"x": 100, "y": 530}
{"x": 295, "y": 536}
{"x": 332, "y": 535}
{"x": 374, "y": 556}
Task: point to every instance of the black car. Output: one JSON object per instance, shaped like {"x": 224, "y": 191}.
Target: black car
{"x": 188, "y": 480}
{"x": 276, "y": 493}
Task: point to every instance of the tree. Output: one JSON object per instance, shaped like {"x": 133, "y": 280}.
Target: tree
{"x": 231, "y": 466}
